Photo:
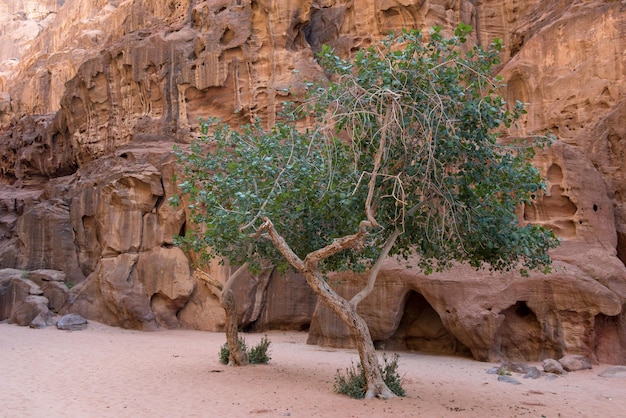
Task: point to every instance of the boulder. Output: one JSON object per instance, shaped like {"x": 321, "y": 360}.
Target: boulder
{"x": 508, "y": 379}
{"x": 72, "y": 322}
{"x": 573, "y": 362}
{"x": 53, "y": 283}
{"x": 514, "y": 367}
{"x": 47, "y": 275}
{"x": 22, "y": 301}
{"x": 552, "y": 366}
{"x": 532, "y": 373}
{"x": 614, "y": 371}
{"x": 31, "y": 308}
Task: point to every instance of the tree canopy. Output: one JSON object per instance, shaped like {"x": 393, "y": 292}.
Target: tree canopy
{"x": 400, "y": 156}
{"x": 404, "y": 136}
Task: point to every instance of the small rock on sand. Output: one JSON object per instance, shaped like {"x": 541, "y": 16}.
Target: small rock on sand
{"x": 72, "y": 322}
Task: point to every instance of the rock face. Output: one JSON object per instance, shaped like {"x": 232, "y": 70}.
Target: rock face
{"x": 22, "y": 301}
{"x": 93, "y": 96}
{"x": 492, "y": 316}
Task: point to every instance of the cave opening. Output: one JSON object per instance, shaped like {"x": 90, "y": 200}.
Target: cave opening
{"x": 607, "y": 336}
{"x": 227, "y": 36}
{"x": 323, "y": 27}
{"x": 165, "y": 310}
{"x": 421, "y": 329}
{"x": 183, "y": 229}
{"x": 519, "y": 334}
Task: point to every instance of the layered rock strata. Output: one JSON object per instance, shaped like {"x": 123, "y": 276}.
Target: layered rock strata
{"x": 93, "y": 96}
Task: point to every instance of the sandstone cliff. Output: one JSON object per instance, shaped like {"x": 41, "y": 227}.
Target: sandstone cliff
{"x": 93, "y": 95}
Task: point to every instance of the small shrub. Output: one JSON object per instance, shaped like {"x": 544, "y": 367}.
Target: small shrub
{"x": 354, "y": 385}
{"x": 259, "y": 354}
{"x": 225, "y": 352}
{"x": 392, "y": 377}
{"x": 503, "y": 372}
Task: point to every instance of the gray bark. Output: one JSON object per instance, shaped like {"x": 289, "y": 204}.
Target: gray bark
{"x": 376, "y": 387}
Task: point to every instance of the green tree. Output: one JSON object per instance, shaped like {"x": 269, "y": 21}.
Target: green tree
{"x": 401, "y": 156}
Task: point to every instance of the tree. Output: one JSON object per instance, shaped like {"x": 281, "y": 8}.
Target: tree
{"x": 401, "y": 156}
{"x": 236, "y": 355}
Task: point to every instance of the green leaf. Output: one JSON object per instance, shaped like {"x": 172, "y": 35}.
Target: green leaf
{"x": 443, "y": 179}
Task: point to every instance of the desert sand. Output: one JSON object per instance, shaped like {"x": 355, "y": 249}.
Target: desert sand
{"x": 104, "y": 371}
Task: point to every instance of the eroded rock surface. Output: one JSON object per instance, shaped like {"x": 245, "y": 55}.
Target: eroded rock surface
{"x": 93, "y": 96}
{"x": 23, "y": 302}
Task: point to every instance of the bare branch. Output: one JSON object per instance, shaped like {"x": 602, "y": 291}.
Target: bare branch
{"x": 212, "y": 281}
{"x": 207, "y": 278}
{"x": 373, "y": 274}
{"x": 339, "y": 244}
{"x": 280, "y": 244}
{"x": 312, "y": 259}
{"x": 373, "y": 177}
{"x": 231, "y": 279}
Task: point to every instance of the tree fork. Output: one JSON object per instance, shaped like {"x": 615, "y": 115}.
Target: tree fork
{"x": 376, "y": 386}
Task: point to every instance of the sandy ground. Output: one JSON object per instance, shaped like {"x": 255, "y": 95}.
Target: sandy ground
{"x": 111, "y": 372}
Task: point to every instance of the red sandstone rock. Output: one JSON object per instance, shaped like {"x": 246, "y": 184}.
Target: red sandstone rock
{"x": 93, "y": 95}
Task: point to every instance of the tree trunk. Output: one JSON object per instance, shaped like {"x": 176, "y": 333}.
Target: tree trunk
{"x": 376, "y": 387}
{"x": 236, "y": 357}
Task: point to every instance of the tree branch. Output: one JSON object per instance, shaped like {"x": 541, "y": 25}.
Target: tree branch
{"x": 312, "y": 259}
{"x": 339, "y": 244}
{"x": 212, "y": 281}
{"x": 231, "y": 279}
{"x": 378, "y": 157}
{"x": 373, "y": 274}
{"x": 207, "y": 278}
{"x": 280, "y": 244}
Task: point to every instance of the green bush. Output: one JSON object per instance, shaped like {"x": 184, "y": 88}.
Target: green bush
{"x": 259, "y": 354}
{"x": 225, "y": 352}
{"x": 391, "y": 376}
{"x": 354, "y": 385}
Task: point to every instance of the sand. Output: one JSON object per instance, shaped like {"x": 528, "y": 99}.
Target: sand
{"x": 104, "y": 371}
